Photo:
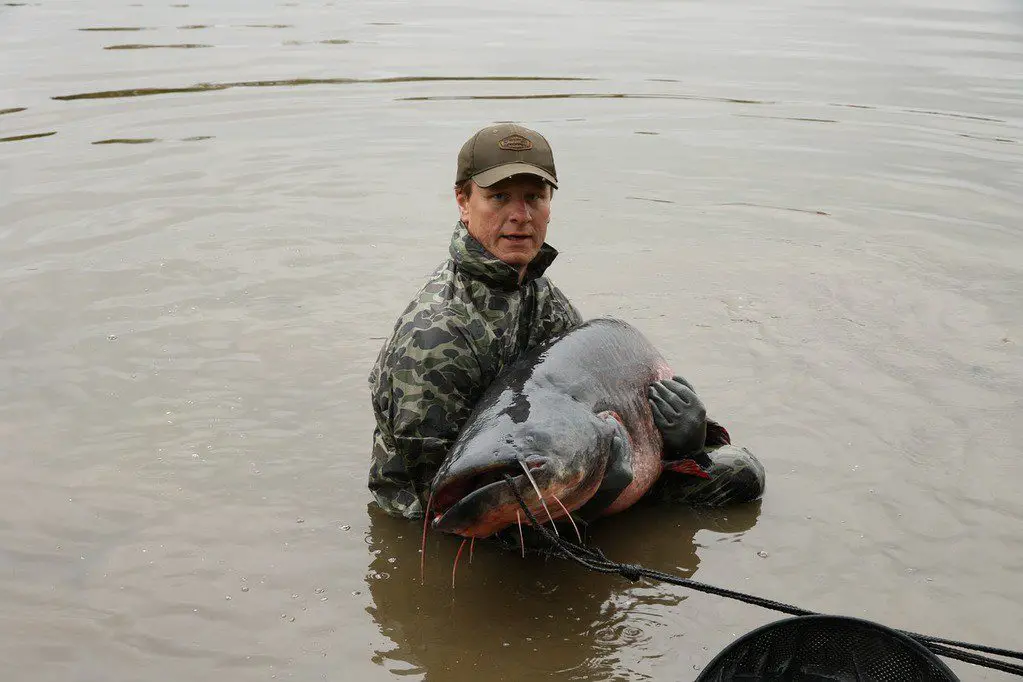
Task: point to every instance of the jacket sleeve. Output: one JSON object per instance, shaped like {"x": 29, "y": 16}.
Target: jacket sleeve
{"x": 425, "y": 386}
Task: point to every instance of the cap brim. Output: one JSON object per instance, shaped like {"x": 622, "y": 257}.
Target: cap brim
{"x": 494, "y": 175}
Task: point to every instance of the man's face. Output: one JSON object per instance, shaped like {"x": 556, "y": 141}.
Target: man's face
{"x": 509, "y": 218}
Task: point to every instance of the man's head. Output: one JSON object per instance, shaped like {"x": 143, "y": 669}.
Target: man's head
{"x": 503, "y": 187}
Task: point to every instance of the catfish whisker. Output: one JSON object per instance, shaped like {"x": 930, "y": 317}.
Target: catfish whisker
{"x": 455, "y": 567}
{"x": 522, "y": 540}
{"x": 577, "y": 533}
{"x": 472, "y": 543}
{"x": 422, "y": 551}
{"x": 539, "y": 496}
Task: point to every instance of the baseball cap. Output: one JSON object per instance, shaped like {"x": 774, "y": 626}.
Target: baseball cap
{"x": 501, "y": 151}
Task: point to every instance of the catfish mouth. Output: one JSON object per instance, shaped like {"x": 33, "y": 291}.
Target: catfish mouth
{"x": 480, "y": 502}
{"x": 463, "y": 487}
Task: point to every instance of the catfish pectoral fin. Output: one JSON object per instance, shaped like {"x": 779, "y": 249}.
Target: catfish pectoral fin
{"x": 686, "y": 466}
{"x": 618, "y": 475}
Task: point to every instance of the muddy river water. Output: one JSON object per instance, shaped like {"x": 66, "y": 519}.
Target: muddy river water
{"x": 212, "y": 213}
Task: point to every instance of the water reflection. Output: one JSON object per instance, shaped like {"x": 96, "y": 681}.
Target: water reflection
{"x": 532, "y": 614}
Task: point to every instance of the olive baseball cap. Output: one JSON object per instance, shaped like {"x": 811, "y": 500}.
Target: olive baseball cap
{"x": 501, "y": 151}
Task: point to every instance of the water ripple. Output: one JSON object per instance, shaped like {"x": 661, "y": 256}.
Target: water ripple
{"x": 117, "y": 28}
{"x": 317, "y": 42}
{"x": 699, "y": 98}
{"x": 30, "y": 136}
{"x": 141, "y": 46}
{"x": 206, "y": 87}
{"x": 805, "y": 119}
{"x": 585, "y": 95}
{"x": 128, "y": 140}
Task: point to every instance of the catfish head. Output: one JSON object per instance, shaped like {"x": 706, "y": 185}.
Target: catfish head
{"x": 566, "y": 452}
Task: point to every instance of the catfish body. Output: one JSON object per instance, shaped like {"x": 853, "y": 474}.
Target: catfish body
{"x": 556, "y": 412}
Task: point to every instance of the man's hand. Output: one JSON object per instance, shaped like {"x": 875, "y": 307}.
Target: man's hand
{"x": 679, "y": 415}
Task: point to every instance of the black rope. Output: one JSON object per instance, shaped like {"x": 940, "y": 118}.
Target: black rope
{"x": 595, "y": 560}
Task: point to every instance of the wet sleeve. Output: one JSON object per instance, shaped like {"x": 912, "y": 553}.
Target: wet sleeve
{"x": 431, "y": 386}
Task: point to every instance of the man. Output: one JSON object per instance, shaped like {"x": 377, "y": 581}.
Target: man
{"x": 488, "y": 303}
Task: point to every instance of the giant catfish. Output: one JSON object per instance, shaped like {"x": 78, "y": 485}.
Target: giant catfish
{"x": 575, "y": 412}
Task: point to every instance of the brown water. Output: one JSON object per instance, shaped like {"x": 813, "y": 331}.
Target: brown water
{"x": 813, "y": 209}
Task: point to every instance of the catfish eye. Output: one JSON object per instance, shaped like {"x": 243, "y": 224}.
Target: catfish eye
{"x": 535, "y": 461}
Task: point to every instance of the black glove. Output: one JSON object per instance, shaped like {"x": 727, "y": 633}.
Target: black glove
{"x": 679, "y": 415}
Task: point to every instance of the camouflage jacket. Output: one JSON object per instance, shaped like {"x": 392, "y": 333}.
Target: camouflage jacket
{"x": 468, "y": 322}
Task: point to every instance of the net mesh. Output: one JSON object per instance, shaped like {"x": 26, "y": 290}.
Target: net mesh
{"x": 832, "y": 648}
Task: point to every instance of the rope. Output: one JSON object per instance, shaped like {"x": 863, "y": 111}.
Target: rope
{"x": 595, "y": 560}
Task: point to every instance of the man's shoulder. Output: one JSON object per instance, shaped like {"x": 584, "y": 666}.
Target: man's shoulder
{"x": 432, "y": 354}
{"x": 437, "y": 304}
{"x": 545, "y": 285}
{"x": 436, "y": 321}
{"x": 555, "y": 305}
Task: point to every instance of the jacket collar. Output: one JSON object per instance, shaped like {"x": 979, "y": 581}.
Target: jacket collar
{"x": 473, "y": 259}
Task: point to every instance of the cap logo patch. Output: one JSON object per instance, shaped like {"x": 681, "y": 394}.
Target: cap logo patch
{"x": 515, "y": 143}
